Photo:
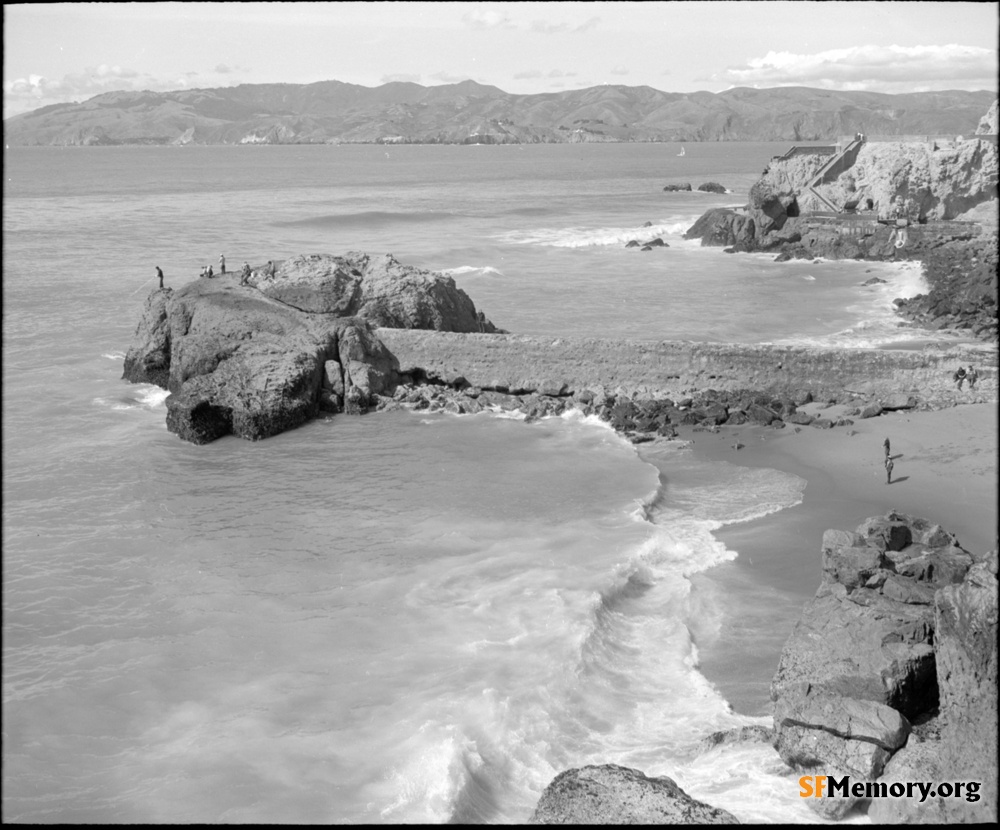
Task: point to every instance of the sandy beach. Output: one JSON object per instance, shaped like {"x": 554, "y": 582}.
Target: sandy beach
{"x": 945, "y": 470}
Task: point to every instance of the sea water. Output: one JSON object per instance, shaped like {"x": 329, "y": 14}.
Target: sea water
{"x": 403, "y": 617}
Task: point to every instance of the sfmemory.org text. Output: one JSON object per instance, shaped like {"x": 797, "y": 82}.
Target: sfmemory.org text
{"x": 816, "y": 786}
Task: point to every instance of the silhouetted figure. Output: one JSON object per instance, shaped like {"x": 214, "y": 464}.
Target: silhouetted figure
{"x": 888, "y": 471}
{"x": 209, "y": 273}
{"x": 222, "y": 264}
{"x": 959, "y": 377}
{"x": 245, "y": 275}
{"x": 972, "y": 376}
{"x": 885, "y": 444}
{"x": 159, "y": 274}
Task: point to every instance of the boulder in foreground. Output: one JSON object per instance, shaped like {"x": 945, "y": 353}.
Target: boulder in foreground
{"x": 610, "y": 794}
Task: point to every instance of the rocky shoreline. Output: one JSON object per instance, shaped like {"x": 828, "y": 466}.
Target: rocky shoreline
{"x": 889, "y": 676}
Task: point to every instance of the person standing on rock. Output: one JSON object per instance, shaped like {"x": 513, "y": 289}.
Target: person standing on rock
{"x": 885, "y": 444}
{"x": 270, "y": 270}
{"x": 972, "y": 377}
{"x": 888, "y": 470}
{"x": 159, "y": 274}
{"x": 245, "y": 275}
{"x": 222, "y": 264}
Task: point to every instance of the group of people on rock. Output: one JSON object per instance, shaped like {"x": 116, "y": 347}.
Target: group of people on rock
{"x": 245, "y": 273}
{"x": 961, "y": 375}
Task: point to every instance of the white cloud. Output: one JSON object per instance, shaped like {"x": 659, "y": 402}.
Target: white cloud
{"x": 545, "y": 28}
{"x": 34, "y": 91}
{"x": 408, "y": 79}
{"x": 528, "y": 73}
{"x": 487, "y": 19}
{"x": 871, "y": 67}
{"x": 619, "y": 70}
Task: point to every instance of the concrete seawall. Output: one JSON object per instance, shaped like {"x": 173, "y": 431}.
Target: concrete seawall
{"x": 557, "y": 365}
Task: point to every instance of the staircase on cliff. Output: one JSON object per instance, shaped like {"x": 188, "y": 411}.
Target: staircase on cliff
{"x": 838, "y": 162}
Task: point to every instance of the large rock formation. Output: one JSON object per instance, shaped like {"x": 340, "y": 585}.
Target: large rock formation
{"x": 380, "y": 290}
{"x": 790, "y": 211}
{"x": 902, "y": 630}
{"x": 610, "y": 794}
{"x": 257, "y": 361}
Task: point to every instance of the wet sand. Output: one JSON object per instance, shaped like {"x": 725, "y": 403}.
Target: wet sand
{"x": 945, "y": 470}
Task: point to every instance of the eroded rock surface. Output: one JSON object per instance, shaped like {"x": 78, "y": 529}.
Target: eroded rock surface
{"x": 610, "y": 794}
{"x": 259, "y": 359}
{"x": 902, "y": 629}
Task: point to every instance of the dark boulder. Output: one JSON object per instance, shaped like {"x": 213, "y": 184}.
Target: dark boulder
{"x": 712, "y": 187}
{"x": 673, "y": 188}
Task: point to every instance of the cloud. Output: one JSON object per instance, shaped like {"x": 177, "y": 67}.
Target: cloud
{"x": 406, "y": 79}
{"x": 619, "y": 70}
{"x": 448, "y": 78}
{"x": 528, "y": 73}
{"x": 34, "y": 91}
{"x": 487, "y": 19}
{"x": 545, "y": 28}
{"x": 558, "y": 73}
{"x": 870, "y": 67}
{"x": 222, "y": 69}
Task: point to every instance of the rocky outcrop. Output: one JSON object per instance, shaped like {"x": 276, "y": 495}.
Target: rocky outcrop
{"x": 902, "y": 629}
{"x": 611, "y": 794}
{"x": 963, "y": 288}
{"x": 379, "y": 289}
{"x": 255, "y": 361}
{"x": 676, "y": 188}
{"x": 712, "y": 187}
{"x": 989, "y": 124}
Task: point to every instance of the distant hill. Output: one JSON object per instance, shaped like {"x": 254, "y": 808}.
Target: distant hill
{"x": 471, "y": 113}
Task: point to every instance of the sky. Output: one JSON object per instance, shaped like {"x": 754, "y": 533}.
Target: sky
{"x": 60, "y": 52}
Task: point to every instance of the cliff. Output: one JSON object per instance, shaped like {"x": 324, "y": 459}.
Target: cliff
{"x": 949, "y": 189}
{"x": 891, "y": 673}
{"x": 468, "y": 112}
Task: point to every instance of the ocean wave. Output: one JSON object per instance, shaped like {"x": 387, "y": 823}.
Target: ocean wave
{"x": 368, "y": 218}
{"x": 577, "y": 237}
{"x": 114, "y": 355}
{"x": 141, "y": 396}
{"x": 478, "y": 270}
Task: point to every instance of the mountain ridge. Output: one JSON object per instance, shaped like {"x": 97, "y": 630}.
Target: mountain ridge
{"x": 328, "y": 112}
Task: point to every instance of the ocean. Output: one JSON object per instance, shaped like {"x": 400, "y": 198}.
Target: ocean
{"x": 403, "y": 617}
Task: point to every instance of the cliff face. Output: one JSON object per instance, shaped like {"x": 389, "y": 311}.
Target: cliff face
{"x": 469, "y": 112}
{"x": 890, "y": 675}
{"x": 940, "y": 180}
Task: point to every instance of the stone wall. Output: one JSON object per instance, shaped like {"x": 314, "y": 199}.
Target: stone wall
{"x": 519, "y": 363}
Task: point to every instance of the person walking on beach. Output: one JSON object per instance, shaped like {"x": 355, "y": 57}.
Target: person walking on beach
{"x": 885, "y": 444}
{"x": 959, "y": 377}
{"x": 888, "y": 470}
{"x": 159, "y": 274}
{"x": 972, "y": 377}
{"x": 222, "y": 264}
